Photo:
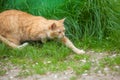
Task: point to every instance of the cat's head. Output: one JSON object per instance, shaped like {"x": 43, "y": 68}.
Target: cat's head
{"x": 56, "y": 29}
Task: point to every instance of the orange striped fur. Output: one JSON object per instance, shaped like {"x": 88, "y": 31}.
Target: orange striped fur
{"x": 17, "y": 26}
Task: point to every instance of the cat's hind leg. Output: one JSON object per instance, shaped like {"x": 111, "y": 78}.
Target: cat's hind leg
{"x": 22, "y": 45}
{"x": 11, "y": 44}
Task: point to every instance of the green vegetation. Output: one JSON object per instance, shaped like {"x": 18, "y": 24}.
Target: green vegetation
{"x": 73, "y": 78}
{"x": 110, "y": 61}
{"x": 52, "y": 56}
{"x": 2, "y": 72}
{"x": 90, "y": 24}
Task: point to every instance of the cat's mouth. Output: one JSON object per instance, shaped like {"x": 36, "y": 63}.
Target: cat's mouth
{"x": 61, "y": 36}
{"x": 57, "y": 37}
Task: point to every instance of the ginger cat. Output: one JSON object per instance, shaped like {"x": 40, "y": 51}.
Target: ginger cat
{"x": 17, "y": 26}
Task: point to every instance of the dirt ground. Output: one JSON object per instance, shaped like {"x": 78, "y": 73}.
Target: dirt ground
{"x": 105, "y": 74}
{"x": 66, "y": 75}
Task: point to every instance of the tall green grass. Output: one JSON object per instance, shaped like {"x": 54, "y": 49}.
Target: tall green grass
{"x": 85, "y": 19}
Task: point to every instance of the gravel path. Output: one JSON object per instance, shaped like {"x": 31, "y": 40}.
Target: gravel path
{"x": 106, "y": 74}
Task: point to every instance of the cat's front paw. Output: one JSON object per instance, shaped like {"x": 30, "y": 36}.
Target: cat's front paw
{"x": 78, "y": 51}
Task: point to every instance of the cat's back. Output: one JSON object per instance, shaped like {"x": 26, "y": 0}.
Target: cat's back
{"x": 8, "y": 12}
{"x": 10, "y": 20}
{"x": 13, "y": 13}
{"x": 13, "y": 17}
{"x": 19, "y": 16}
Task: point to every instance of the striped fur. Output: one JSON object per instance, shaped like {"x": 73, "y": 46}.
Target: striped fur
{"x": 17, "y": 26}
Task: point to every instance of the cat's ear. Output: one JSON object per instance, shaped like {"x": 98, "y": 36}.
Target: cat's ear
{"x": 53, "y": 26}
{"x": 62, "y": 20}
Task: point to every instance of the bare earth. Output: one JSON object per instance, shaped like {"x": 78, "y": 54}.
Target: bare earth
{"x": 105, "y": 74}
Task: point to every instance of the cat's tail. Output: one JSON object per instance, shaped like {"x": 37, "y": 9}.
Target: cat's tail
{"x": 4, "y": 40}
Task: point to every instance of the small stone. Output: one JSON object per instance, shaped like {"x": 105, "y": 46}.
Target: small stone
{"x": 36, "y": 63}
{"x": 114, "y": 55}
{"x": 93, "y": 60}
{"x": 101, "y": 53}
{"x": 83, "y": 61}
{"x": 85, "y": 74}
{"x": 106, "y": 69}
{"x": 99, "y": 72}
{"x": 55, "y": 76}
{"x": 49, "y": 62}
{"x": 117, "y": 67}
{"x": 65, "y": 77}
{"x": 11, "y": 77}
{"x": 86, "y": 71}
